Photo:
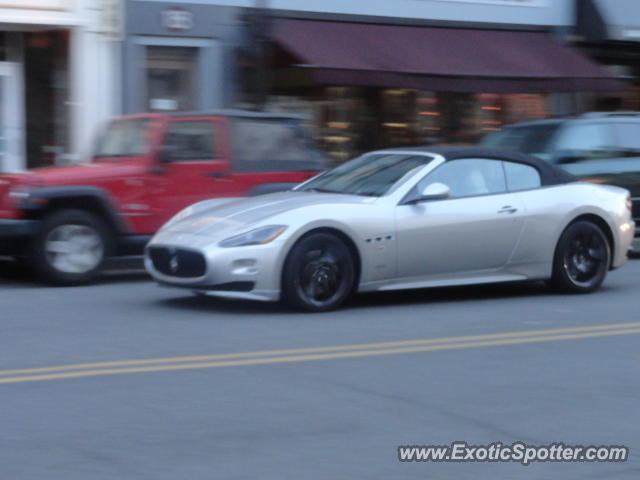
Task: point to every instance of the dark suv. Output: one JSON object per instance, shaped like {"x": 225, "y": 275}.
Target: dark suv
{"x": 595, "y": 147}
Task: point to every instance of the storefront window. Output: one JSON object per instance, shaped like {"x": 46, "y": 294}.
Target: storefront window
{"x": 428, "y": 118}
{"x": 399, "y": 126}
{"x": 46, "y": 69}
{"x": 497, "y": 110}
{"x": 349, "y": 121}
{"x": 171, "y": 78}
{"x": 343, "y": 114}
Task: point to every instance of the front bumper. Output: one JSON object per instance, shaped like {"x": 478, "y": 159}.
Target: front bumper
{"x": 13, "y": 232}
{"x": 250, "y": 272}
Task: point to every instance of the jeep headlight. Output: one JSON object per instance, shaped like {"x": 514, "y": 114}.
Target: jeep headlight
{"x": 258, "y": 236}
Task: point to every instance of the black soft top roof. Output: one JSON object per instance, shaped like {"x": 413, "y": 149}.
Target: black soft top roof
{"x": 549, "y": 174}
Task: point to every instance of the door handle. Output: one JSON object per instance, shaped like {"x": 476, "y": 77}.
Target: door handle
{"x": 508, "y": 209}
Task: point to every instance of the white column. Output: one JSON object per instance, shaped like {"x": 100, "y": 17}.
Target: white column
{"x": 93, "y": 87}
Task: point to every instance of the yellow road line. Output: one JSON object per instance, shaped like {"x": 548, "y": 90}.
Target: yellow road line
{"x": 325, "y": 356}
{"x": 297, "y": 351}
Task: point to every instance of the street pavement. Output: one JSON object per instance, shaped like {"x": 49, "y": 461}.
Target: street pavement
{"x": 127, "y": 380}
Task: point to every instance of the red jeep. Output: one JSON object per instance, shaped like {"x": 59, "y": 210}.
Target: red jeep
{"x": 65, "y": 221}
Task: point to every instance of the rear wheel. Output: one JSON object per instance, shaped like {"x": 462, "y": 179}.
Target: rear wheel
{"x": 319, "y": 273}
{"x": 71, "y": 247}
{"x": 582, "y": 258}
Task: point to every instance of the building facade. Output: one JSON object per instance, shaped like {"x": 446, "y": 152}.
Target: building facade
{"x": 58, "y": 61}
{"x": 609, "y": 32}
{"x": 368, "y": 74}
{"x": 179, "y": 55}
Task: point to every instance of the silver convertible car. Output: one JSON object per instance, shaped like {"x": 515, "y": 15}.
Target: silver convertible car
{"x": 400, "y": 219}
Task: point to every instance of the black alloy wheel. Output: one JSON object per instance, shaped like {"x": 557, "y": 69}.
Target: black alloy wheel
{"x": 318, "y": 274}
{"x": 582, "y": 258}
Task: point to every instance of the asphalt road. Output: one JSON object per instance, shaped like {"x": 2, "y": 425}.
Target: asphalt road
{"x": 127, "y": 380}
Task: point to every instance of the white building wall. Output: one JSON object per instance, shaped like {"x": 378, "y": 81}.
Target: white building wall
{"x": 94, "y": 67}
{"x": 94, "y": 74}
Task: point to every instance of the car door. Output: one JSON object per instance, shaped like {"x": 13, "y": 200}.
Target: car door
{"x": 193, "y": 163}
{"x": 475, "y": 229}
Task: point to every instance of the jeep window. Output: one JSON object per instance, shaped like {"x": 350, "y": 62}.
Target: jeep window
{"x": 124, "y": 138}
{"x": 190, "y": 140}
{"x": 531, "y": 139}
{"x": 271, "y": 146}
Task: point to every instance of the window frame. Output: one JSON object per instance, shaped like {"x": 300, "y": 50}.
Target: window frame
{"x": 506, "y": 176}
{"x": 216, "y": 132}
{"x": 412, "y": 192}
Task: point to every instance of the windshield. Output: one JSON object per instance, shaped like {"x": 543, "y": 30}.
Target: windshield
{"x": 370, "y": 175}
{"x": 124, "y": 138}
{"x": 530, "y": 139}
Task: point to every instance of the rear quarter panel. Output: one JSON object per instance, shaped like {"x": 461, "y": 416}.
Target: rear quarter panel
{"x": 550, "y": 210}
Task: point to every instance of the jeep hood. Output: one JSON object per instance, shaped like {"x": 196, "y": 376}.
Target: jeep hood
{"x": 80, "y": 174}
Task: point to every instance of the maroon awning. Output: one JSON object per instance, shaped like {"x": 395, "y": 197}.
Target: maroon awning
{"x": 438, "y": 59}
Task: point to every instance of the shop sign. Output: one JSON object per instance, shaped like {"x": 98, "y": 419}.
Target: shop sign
{"x": 176, "y": 19}
{"x": 506, "y": 3}
{"x": 37, "y": 4}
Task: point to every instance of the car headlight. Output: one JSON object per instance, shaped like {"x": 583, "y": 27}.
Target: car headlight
{"x": 259, "y": 236}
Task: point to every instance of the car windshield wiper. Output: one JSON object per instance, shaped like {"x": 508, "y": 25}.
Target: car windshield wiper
{"x": 322, "y": 190}
{"x": 360, "y": 194}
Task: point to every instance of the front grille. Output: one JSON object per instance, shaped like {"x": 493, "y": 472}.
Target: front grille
{"x": 178, "y": 262}
{"x": 232, "y": 287}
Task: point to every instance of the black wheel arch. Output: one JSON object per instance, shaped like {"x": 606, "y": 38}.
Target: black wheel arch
{"x": 45, "y": 200}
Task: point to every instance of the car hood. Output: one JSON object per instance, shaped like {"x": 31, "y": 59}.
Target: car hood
{"x": 70, "y": 175}
{"x": 223, "y": 217}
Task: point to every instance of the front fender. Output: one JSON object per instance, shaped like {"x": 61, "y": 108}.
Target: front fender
{"x": 41, "y": 199}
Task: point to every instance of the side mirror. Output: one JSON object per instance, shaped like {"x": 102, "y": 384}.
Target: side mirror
{"x": 435, "y": 191}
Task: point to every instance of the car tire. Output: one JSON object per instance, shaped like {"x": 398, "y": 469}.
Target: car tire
{"x": 318, "y": 274}
{"x": 71, "y": 247}
{"x": 582, "y": 259}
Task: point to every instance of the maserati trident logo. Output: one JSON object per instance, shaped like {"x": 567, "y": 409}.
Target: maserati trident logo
{"x": 173, "y": 261}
